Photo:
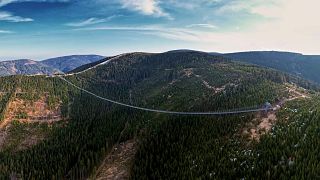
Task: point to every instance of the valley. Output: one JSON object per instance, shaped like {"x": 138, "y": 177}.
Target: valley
{"x": 52, "y": 130}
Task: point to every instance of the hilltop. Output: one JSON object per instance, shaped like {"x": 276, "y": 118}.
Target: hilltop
{"x": 305, "y": 66}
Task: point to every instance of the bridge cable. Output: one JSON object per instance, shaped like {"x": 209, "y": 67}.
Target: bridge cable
{"x": 163, "y": 111}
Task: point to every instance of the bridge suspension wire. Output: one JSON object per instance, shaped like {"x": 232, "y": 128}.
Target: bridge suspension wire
{"x": 163, "y": 111}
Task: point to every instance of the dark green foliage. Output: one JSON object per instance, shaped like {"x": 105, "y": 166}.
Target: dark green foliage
{"x": 189, "y": 148}
{"x": 291, "y": 150}
{"x": 171, "y": 81}
{"x": 4, "y": 101}
{"x": 306, "y": 66}
{"x": 192, "y": 148}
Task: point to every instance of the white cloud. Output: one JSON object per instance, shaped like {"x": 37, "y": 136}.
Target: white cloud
{"x": 92, "y": 21}
{"x": 87, "y": 22}
{"x": 207, "y": 26}
{"x": 157, "y": 30}
{"x": 293, "y": 25}
{"x": 6, "y": 16}
{"x": 191, "y": 4}
{"x": 5, "y": 32}
{"x": 146, "y": 7}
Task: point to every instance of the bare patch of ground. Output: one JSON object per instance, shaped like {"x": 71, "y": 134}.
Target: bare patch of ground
{"x": 188, "y": 72}
{"x": 116, "y": 166}
{"x": 27, "y": 112}
{"x": 259, "y": 126}
{"x": 296, "y": 93}
{"x": 13, "y": 69}
{"x": 263, "y": 122}
{"x": 215, "y": 89}
{"x": 2, "y": 93}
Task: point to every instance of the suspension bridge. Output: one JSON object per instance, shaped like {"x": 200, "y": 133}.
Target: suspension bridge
{"x": 266, "y": 107}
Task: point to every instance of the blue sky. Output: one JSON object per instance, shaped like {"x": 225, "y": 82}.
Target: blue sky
{"x": 39, "y": 29}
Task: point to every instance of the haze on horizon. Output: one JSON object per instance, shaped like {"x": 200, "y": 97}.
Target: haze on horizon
{"x": 39, "y": 29}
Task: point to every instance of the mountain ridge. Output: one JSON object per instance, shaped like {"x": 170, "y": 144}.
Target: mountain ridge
{"x": 90, "y": 127}
{"x": 305, "y": 66}
{"x": 49, "y": 66}
{"x": 26, "y": 67}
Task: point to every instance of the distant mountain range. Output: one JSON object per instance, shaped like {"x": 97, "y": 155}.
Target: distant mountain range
{"x": 68, "y": 63}
{"x": 48, "y": 66}
{"x": 305, "y": 66}
{"x": 25, "y": 66}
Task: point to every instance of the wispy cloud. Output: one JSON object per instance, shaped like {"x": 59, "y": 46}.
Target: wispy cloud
{"x": 160, "y": 31}
{"x": 92, "y": 21}
{"x": 193, "y": 4}
{"x": 208, "y": 26}
{"x": 146, "y": 7}
{"x": 86, "y": 22}
{"x": 6, "y": 16}
{"x": 5, "y": 32}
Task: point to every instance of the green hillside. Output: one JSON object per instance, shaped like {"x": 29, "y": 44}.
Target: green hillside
{"x": 170, "y": 147}
{"x": 305, "y": 66}
{"x": 204, "y": 148}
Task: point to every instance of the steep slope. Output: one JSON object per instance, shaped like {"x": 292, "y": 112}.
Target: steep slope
{"x": 24, "y": 66}
{"x": 179, "y": 81}
{"x": 89, "y": 65}
{"x": 156, "y": 78}
{"x": 306, "y": 66}
{"x": 68, "y": 63}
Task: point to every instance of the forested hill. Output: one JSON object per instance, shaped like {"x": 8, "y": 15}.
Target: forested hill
{"x": 305, "y": 66}
{"x": 169, "y": 147}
